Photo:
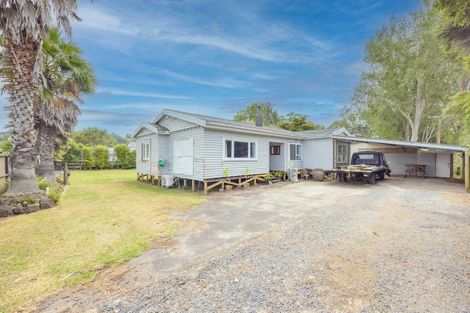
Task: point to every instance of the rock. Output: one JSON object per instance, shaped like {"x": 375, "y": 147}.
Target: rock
{"x": 30, "y": 208}
{"x": 318, "y": 175}
{"x": 6, "y": 210}
{"x": 46, "y": 203}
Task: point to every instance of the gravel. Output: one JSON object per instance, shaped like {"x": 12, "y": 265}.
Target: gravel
{"x": 398, "y": 247}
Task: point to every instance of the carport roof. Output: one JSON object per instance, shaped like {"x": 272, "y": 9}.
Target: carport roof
{"x": 420, "y": 145}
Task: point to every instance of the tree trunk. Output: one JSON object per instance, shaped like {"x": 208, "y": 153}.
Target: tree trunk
{"x": 20, "y": 61}
{"x": 420, "y": 103}
{"x": 407, "y": 131}
{"x": 45, "y": 148}
{"x": 439, "y": 130}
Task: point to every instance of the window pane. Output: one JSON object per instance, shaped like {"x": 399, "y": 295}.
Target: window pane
{"x": 252, "y": 150}
{"x": 228, "y": 148}
{"x": 241, "y": 149}
{"x": 292, "y": 152}
{"x": 299, "y": 152}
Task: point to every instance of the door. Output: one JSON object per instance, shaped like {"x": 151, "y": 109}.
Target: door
{"x": 183, "y": 157}
{"x": 443, "y": 165}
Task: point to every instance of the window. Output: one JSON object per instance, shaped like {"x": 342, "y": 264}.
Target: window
{"x": 240, "y": 149}
{"x": 342, "y": 153}
{"x": 295, "y": 152}
{"x": 145, "y": 150}
{"x": 252, "y": 150}
{"x": 275, "y": 150}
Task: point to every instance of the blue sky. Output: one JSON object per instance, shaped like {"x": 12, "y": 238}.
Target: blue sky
{"x": 215, "y": 57}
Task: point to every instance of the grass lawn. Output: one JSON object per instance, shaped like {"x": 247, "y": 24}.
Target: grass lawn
{"x": 105, "y": 218}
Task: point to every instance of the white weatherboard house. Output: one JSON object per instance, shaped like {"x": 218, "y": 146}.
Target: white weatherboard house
{"x": 204, "y": 148}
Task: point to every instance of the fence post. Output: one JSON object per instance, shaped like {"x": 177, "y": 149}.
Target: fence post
{"x": 66, "y": 174}
{"x": 467, "y": 169}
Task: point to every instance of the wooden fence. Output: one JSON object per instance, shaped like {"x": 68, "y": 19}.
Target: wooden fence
{"x": 4, "y": 170}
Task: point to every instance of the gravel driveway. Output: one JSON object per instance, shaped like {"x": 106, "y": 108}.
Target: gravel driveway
{"x": 402, "y": 245}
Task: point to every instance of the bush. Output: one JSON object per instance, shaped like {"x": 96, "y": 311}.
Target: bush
{"x": 101, "y": 157}
{"x": 122, "y": 155}
{"x": 88, "y": 158}
{"x": 42, "y": 183}
{"x": 55, "y": 192}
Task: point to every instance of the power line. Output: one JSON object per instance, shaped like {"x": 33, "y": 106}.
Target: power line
{"x": 269, "y": 34}
{"x": 316, "y": 46}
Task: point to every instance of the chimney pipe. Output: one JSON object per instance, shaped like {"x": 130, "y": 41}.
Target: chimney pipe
{"x": 259, "y": 117}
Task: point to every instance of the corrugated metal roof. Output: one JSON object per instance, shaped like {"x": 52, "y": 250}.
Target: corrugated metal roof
{"x": 421, "y": 145}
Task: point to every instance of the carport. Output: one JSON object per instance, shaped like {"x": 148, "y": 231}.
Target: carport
{"x": 438, "y": 159}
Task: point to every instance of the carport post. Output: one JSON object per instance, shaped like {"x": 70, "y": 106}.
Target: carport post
{"x": 466, "y": 160}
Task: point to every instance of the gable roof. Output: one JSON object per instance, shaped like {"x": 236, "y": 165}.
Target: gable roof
{"x": 152, "y": 127}
{"x": 222, "y": 123}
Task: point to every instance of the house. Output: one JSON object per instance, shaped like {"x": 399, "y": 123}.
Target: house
{"x": 206, "y": 149}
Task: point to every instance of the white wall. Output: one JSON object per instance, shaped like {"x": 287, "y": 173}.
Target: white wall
{"x": 214, "y": 163}
{"x": 149, "y": 167}
{"x": 197, "y": 133}
{"x": 318, "y": 153}
{"x": 174, "y": 124}
{"x": 399, "y": 160}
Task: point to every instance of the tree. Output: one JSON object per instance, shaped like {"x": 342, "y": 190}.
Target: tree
{"x": 65, "y": 76}
{"x": 269, "y": 114}
{"x": 410, "y": 77}
{"x": 455, "y": 20}
{"x": 298, "y": 122}
{"x": 94, "y": 136}
{"x": 23, "y": 25}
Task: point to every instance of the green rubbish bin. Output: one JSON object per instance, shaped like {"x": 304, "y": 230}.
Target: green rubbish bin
{"x": 161, "y": 163}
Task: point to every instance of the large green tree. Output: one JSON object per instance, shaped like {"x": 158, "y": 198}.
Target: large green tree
{"x": 93, "y": 136}
{"x": 410, "y": 81}
{"x": 298, "y": 122}
{"x": 23, "y": 25}
{"x": 269, "y": 114}
{"x": 65, "y": 77}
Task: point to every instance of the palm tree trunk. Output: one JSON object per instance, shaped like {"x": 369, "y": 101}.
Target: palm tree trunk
{"x": 20, "y": 61}
{"x": 45, "y": 147}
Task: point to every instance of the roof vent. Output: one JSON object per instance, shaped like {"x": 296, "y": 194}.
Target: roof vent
{"x": 259, "y": 117}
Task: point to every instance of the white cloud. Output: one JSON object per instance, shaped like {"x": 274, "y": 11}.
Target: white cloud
{"x": 122, "y": 92}
{"x": 162, "y": 27}
{"x": 225, "y": 83}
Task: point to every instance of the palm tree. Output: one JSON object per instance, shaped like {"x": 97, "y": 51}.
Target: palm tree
{"x": 65, "y": 76}
{"x": 23, "y": 25}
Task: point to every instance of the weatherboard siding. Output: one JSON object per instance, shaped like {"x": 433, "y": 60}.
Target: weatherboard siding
{"x": 148, "y": 167}
{"x": 215, "y": 162}
{"x": 197, "y": 133}
{"x": 175, "y": 124}
{"x": 318, "y": 153}
{"x": 164, "y": 153}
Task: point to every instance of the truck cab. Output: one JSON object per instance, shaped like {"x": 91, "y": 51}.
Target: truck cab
{"x": 373, "y": 158}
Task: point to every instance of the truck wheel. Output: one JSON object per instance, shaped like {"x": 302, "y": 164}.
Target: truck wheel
{"x": 382, "y": 176}
{"x": 372, "y": 179}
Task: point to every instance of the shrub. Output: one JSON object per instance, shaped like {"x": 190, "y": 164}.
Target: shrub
{"x": 55, "y": 192}
{"x": 42, "y": 183}
{"x": 28, "y": 200}
{"x": 122, "y": 155}
{"x": 101, "y": 157}
{"x": 4, "y": 187}
{"x": 88, "y": 158}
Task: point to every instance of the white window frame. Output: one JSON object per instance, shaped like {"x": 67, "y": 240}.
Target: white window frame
{"x": 344, "y": 155}
{"x": 297, "y": 154}
{"x": 145, "y": 150}
{"x": 233, "y": 158}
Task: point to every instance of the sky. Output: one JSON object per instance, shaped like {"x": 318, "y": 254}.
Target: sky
{"x": 215, "y": 57}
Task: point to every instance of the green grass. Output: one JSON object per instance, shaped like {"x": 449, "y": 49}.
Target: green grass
{"x": 104, "y": 218}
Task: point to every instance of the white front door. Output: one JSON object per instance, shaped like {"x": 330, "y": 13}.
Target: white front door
{"x": 183, "y": 159}
{"x": 443, "y": 165}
